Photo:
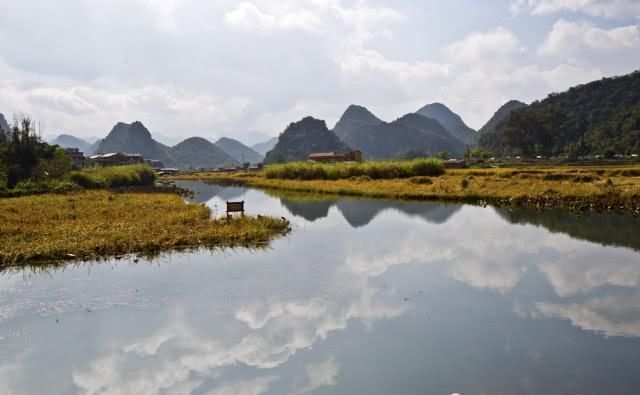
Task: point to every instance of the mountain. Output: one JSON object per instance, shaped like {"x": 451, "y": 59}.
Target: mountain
{"x": 238, "y": 151}
{"x": 4, "y": 125}
{"x": 135, "y": 137}
{"x": 502, "y": 113}
{"x": 196, "y": 153}
{"x": 601, "y": 117}
{"x": 450, "y": 120}
{"x": 302, "y": 138}
{"x": 354, "y": 119}
{"x": 377, "y": 139}
{"x": 264, "y": 147}
{"x": 69, "y": 141}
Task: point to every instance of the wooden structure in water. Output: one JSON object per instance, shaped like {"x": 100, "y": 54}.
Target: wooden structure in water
{"x": 235, "y": 207}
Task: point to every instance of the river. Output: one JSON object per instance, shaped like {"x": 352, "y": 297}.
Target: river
{"x": 362, "y": 297}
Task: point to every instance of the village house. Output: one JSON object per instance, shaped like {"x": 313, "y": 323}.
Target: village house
{"x": 330, "y": 157}
{"x": 77, "y": 157}
{"x": 156, "y": 164}
{"x": 116, "y": 159}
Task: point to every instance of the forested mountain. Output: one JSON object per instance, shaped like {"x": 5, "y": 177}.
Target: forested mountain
{"x": 196, "y": 153}
{"x": 502, "y": 113}
{"x": 451, "y": 121}
{"x": 134, "y": 137}
{"x": 193, "y": 153}
{"x": 69, "y": 141}
{"x": 377, "y": 139}
{"x": 302, "y": 138}
{"x": 601, "y": 117}
{"x": 238, "y": 151}
{"x": 354, "y": 119}
{"x": 264, "y": 147}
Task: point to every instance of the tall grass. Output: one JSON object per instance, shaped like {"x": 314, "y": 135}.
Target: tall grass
{"x": 97, "y": 223}
{"x": 373, "y": 169}
{"x": 116, "y": 176}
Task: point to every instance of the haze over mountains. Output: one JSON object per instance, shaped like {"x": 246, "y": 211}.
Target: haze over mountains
{"x": 264, "y": 147}
{"x": 451, "y": 121}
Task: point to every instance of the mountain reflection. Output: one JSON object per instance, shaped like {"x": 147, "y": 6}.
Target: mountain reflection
{"x": 360, "y": 212}
{"x": 602, "y": 228}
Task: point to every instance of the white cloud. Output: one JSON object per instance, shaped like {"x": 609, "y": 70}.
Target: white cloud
{"x": 248, "y": 17}
{"x": 494, "y": 47}
{"x": 603, "y": 8}
{"x": 611, "y": 315}
{"x": 256, "y": 386}
{"x": 581, "y": 42}
{"x": 319, "y": 374}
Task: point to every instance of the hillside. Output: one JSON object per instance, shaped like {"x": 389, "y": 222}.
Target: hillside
{"x": 601, "y": 117}
{"x": 451, "y": 121}
{"x": 69, "y": 141}
{"x": 502, "y": 113}
{"x": 354, "y": 119}
{"x": 264, "y": 147}
{"x": 377, "y": 139}
{"x": 238, "y": 151}
{"x": 135, "y": 137}
{"x": 302, "y": 138}
{"x": 196, "y": 153}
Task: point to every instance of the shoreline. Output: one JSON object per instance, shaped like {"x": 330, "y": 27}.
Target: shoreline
{"x": 577, "y": 189}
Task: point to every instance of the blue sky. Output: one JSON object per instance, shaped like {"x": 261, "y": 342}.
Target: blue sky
{"x": 245, "y": 69}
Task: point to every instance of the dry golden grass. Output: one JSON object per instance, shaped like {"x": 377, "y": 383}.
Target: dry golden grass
{"x": 596, "y": 188}
{"x": 96, "y": 224}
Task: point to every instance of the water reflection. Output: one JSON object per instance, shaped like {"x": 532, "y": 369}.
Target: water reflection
{"x": 370, "y": 297}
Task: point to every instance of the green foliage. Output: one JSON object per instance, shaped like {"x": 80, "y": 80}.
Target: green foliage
{"x": 116, "y": 176}
{"x": 597, "y": 118}
{"x": 23, "y": 152}
{"x": 373, "y": 169}
{"x": 477, "y": 153}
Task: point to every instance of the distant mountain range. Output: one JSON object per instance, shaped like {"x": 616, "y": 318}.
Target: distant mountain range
{"x": 263, "y": 148}
{"x": 238, "y": 151}
{"x": 601, "y": 117}
{"x": 451, "y": 121}
{"x": 69, "y": 141}
{"x": 377, "y": 139}
{"x": 196, "y": 153}
{"x": 302, "y": 138}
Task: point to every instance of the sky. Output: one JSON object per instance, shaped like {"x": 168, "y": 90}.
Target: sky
{"x": 246, "y": 69}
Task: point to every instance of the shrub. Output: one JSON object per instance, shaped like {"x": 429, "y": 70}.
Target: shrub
{"x": 116, "y": 176}
{"x": 464, "y": 184}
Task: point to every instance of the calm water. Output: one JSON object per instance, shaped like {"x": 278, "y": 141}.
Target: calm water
{"x": 363, "y": 297}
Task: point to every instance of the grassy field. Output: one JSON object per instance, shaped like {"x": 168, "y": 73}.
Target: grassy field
{"x": 376, "y": 170}
{"x": 575, "y": 188}
{"x": 96, "y": 224}
{"x": 139, "y": 175}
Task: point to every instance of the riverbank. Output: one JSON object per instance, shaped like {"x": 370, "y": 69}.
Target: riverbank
{"x": 99, "y": 224}
{"x": 611, "y": 188}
